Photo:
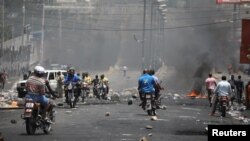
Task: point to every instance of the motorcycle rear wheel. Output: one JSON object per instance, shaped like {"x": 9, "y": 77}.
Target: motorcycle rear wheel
{"x": 47, "y": 128}
{"x": 30, "y": 126}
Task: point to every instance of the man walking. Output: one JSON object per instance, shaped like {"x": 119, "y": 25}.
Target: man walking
{"x": 210, "y": 83}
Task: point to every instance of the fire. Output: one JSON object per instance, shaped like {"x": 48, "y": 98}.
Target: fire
{"x": 14, "y": 104}
{"x": 196, "y": 94}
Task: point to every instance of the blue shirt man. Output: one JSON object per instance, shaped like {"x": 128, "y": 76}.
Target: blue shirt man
{"x": 146, "y": 84}
{"x": 71, "y": 78}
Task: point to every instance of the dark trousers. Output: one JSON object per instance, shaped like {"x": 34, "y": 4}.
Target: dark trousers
{"x": 239, "y": 95}
{"x": 215, "y": 101}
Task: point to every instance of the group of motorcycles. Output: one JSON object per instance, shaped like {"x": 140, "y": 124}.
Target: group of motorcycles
{"x": 77, "y": 90}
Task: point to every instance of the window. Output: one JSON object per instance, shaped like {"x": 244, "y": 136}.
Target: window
{"x": 51, "y": 76}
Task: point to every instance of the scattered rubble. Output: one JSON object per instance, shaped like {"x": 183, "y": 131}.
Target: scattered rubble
{"x": 115, "y": 97}
{"x": 150, "y": 134}
{"x": 149, "y": 127}
{"x": 10, "y": 100}
{"x": 107, "y": 114}
{"x": 143, "y": 139}
{"x": 153, "y": 118}
{"x": 130, "y": 101}
{"x": 13, "y": 121}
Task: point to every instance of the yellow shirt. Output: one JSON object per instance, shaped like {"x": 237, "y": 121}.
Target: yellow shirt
{"x": 105, "y": 81}
{"x": 88, "y": 80}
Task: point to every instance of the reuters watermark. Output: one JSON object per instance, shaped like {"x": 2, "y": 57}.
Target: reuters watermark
{"x": 229, "y": 131}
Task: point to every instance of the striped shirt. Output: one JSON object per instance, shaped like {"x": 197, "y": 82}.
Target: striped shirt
{"x": 36, "y": 85}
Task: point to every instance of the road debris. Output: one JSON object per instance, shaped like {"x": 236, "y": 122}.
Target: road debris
{"x": 143, "y": 139}
{"x": 107, "y": 114}
{"x": 153, "y": 118}
{"x": 149, "y": 127}
{"x": 13, "y": 121}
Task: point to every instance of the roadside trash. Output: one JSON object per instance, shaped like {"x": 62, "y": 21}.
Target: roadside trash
{"x": 107, "y": 114}
{"x": 130, "y": 102}
{"x": 154, "y": 118}
{"x": 60, "y": 104}
{"x": 13, "y": 121}
{"x": 149, "y": 127}
{"x": 143, "y": 139}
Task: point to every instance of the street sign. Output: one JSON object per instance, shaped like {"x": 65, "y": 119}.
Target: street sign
{"x": 245, "y": 42}
{"x": 231, "y": 1}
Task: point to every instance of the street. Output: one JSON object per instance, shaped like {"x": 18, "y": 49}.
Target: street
{"x": 182, "y": 120}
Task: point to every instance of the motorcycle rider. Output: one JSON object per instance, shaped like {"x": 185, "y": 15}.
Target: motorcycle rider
{"x": 36, "y": 89}
{"x": 95, "y": 82}
{"x": 223, "y": 89}
{"x": 88, "y": 78}
{"x": 70, "y": 77}
{"x": 157, "y": 86}
{"x": 146, "y": 85}
{"x": 104, "y": 80}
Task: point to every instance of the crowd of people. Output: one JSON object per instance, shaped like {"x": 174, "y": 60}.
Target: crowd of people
{"x": 38, "y": 86}
{"x": 233, "y": 89}
{"x": 84, "y": 80}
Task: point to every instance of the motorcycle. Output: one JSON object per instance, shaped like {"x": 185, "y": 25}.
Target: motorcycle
{"x": 85, "y": 91}
{"x": 73, "y": 94}
{"x": 103, "y": 91}
{"x": 33, "y": 117}
{"x": 223, "y": 102}
{"x": 96, "y": 92}
{"x": 149, "y": 104}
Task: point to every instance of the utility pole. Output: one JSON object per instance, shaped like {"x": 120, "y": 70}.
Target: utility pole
{"x": 2, "y": 53}
{"x": 42, "y": 35}
{"x": 151, "y": 32}
{"x": 23, "y": 24}
{"x": 143, "y": 35}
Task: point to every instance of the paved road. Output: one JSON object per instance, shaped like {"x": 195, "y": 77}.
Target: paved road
{"x": 183, "y": 120}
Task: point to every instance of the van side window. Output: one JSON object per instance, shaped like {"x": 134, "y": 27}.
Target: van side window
{"x": 51, "y": 76}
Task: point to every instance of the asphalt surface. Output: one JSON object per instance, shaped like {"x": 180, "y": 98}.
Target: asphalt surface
{"x": 184, "y": 119}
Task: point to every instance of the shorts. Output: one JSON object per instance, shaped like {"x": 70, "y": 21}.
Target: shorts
{"x": 39, "y": 98}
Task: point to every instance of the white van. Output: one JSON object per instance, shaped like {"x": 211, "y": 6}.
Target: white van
{"x": 50, "y": 75}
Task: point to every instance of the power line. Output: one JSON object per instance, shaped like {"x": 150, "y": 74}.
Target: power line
{"x": 139, "y": 29}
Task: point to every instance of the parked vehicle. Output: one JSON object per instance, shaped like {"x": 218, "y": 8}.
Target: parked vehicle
{"x": 50, "y": 75}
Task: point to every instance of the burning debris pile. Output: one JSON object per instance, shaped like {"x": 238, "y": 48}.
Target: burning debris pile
{"x": 7, "y": 100}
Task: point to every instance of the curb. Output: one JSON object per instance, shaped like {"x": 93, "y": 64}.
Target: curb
{"x": 11, "y": 108}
